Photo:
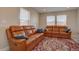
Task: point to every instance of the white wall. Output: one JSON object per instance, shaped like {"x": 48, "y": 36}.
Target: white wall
{"x": 10, "y": 16}
{"x": 76, "y": 35}
{"x": 34, "y": 17}
{"x": 78, "y": 20}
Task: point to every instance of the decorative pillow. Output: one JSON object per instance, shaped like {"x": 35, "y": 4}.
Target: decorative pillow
{"x": 40, "y": 30}
{"x": 67, "y": 30}
{"x": 19, "y": 35}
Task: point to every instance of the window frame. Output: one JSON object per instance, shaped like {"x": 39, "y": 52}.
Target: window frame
{"x": 56, "y": 22}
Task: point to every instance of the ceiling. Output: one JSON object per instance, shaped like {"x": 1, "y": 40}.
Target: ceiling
{"x": 52, "y": 9}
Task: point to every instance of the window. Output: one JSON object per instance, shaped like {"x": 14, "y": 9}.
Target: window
{"x": 61, "y": 20}
{"x": 50, "y": 20}
{"x": 24, "y": 17}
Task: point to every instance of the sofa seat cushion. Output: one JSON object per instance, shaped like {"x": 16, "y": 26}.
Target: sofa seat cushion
{"x": 63, "y": 33}
{"x": 16, "y": 28}
{"x": 33, "y": 37}
{"x": 48, "y": 32}
{"x": 55, "y": 32}
{"x": 49, "y": 29}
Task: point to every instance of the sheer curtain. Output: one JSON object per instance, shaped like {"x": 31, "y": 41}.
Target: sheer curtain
{"x": 61, "y": 20}
{"x": 50, "y": 20}
{"x": 24, "y": 16}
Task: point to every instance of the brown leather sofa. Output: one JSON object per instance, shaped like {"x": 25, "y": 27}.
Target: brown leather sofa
{"x": 23, "y": 44}
{"x": 57, "y": 32}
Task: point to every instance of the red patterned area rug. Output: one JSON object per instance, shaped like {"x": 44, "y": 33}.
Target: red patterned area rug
{"x": 57, "y": 44}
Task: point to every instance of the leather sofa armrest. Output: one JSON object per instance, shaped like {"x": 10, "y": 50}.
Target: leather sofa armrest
{"x": 68, "y": 33}
{"x": 17, "y": 45}
{"x": 17, "y": 42}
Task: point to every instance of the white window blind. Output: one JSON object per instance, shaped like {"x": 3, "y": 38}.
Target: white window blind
{"x": 24, "y": 17}
{"x": 50, "y": 20}
{"x": 61, "y": 20}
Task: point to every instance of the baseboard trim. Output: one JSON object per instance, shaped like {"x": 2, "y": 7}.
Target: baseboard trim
{"x": 5, "y": 49}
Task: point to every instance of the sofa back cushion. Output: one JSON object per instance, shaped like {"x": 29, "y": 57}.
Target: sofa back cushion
{"x": 28, "y": 32}
{"x": 62, "y": 28}
{"x": 28, "y": 27}
{"x": 17, "y": 31}
{"x": 49, "y": 28}
{"x": 55, "y": 29}
{"x": 16, "y": 28}
{"x": 34, "y": 30}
